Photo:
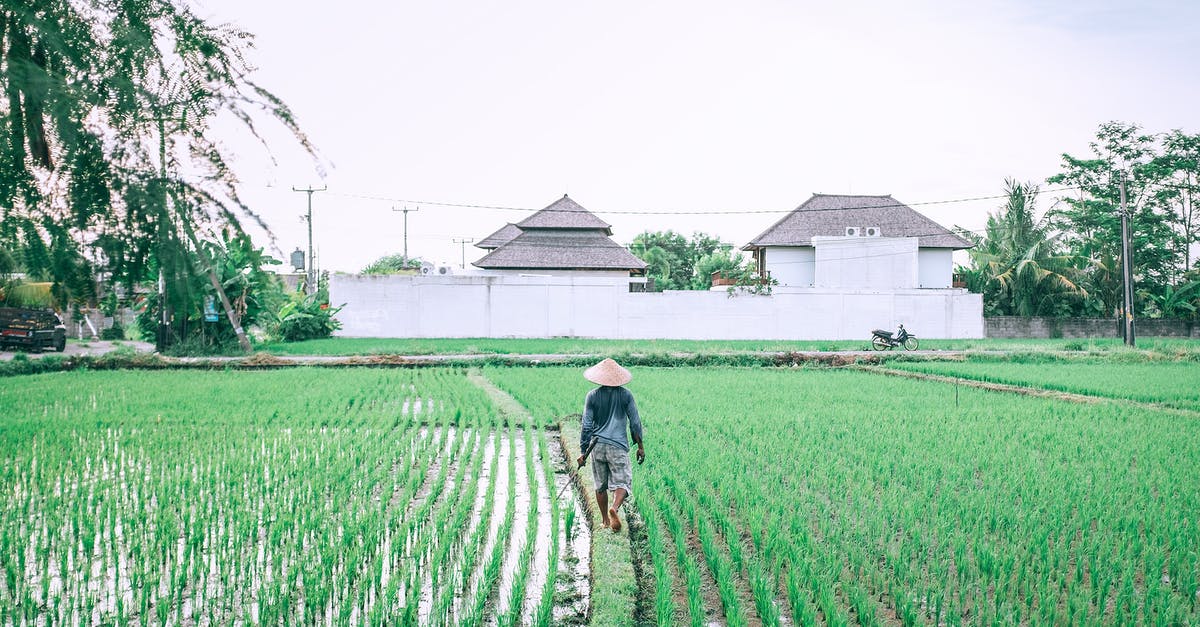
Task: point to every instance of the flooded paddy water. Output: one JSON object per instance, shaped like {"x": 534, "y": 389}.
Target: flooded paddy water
{"x": 380, "y": 508}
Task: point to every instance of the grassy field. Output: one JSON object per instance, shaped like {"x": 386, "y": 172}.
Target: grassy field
{"x": 844, "y": 497}
{"x": 1176, "y": 384}
{"x": 770, "y": 496}
{"x": 285, "y": 497}
{"x": 570, "y": 346}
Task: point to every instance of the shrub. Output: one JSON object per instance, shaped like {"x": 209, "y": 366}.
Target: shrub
{"x": 115, "y": 332}
{"x": 306, "y": 318}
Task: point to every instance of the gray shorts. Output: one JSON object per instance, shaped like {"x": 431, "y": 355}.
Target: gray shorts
{"x": 611, "y": 468}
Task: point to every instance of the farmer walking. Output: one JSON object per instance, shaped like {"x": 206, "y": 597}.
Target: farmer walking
{"x": 608, "y": 413}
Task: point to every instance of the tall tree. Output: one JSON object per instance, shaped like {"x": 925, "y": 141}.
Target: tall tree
{"x": 1018, "y": 264}
{"x": 1091, "y": 218}
{"x": 678, "y": 263}
{"x": 105, "y": 140}
{"x": 1179, "y": 188}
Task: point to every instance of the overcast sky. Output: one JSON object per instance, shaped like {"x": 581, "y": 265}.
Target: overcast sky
{"x": 684, "y": 106}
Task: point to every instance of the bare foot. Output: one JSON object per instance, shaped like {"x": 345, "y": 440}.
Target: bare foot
{"x": 604, "y": 523}
{"x": 614, "y": 522}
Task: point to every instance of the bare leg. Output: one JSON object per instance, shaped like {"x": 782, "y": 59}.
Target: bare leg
{"x": 618, "y": 498}
{"x": 602, "y": 501}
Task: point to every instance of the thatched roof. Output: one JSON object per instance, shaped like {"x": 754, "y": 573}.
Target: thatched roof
{"x": 564, "y": 213}
{"x": 499, "y": 238}
{"x": 561, "y": 249}
{"x": 830, "y": 214}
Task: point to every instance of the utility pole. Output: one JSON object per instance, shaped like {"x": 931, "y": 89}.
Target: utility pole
{"x": 464, "y": 242}
{"x": 312, "y": 277}
{"x": 406, "y": 210}
{"x": 1126, "y": 267}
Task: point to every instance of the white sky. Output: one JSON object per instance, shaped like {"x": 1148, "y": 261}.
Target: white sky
{"x": 684, "y": 106}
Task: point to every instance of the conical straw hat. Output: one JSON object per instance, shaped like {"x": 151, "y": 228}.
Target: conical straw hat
{"x": 607, "y": 372}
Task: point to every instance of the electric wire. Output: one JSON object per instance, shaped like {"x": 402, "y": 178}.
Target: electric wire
{"x": 888, "y": 205}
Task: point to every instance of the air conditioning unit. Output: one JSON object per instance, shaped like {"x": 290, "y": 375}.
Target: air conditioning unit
{"x": 445, "y": 270}
{"x": 871, "y": 231}
{"x": 853, "y": 231}
{"x": 427, "y": 268}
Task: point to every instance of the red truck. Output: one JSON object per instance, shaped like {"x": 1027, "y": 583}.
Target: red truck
{"x": 32, "y": 329}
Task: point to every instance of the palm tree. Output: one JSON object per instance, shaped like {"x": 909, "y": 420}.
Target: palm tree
{"x": 1017, "y": 262}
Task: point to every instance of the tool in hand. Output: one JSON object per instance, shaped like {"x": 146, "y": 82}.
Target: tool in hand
{"x": 591, "y": 445}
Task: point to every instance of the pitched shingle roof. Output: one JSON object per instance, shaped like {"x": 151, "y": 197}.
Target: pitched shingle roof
{"x": 830, "y": 214}
{"x": 561, "y": 249}
{"x": 564, "y": 213}
{"x": 499, "y": 238}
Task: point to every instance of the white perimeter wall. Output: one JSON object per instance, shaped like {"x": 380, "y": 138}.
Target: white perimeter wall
{"x": 791, "y": 265}
{"x": 505, "y": 306}
{"x": 866, "y": 262}
{"x": 935, "y": 267}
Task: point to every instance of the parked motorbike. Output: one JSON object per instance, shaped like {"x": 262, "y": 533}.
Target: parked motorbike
{"x": 884, "y": 340}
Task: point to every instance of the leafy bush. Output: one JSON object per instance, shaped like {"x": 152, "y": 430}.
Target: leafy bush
{"x": 306, "y": 318}
{"x": 115, "y": 332}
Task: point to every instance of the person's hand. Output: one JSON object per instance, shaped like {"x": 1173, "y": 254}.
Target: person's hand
{"x": 579, "y": 461}
{"x": 641, "y": 455}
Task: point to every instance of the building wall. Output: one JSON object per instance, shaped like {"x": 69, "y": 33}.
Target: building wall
{"x": 792, "y": 265}
{"x": 866, "y": 262}
{"x": 499, "y": 306}
{"x": 935, "y": 267}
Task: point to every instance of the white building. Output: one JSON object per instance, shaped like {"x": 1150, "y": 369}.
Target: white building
{"x": 857, "y": 242}
{"x": 558, "y": 273}
{"x": 564, "y": 239}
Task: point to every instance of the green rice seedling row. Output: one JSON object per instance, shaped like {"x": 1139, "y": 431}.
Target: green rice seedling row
{"x": 844, "y": 497}
{"x": 283, "y": 497}
{"x": 1175, "y": 384}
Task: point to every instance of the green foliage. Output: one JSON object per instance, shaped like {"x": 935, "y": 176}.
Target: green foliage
{"x": 839, "y": 483}
{"x": 1018, "y": 263}
{"x": 115, "y": 332}
{"x": 254, "y": 293}
{"x": 306, "y": 317}
{"x": 677, "y": 263}
{"x": 392, "y": 264}
{"x": 1161, "y": 176}
{"x": 107, "y": 148}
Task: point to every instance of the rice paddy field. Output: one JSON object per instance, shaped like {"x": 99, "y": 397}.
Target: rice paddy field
{"x": 1175, "y": 384}
{"x": 811, "y": 496}
{"x": 284, "y": 497}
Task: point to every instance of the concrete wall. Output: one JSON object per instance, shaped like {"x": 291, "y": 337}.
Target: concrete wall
{"x": 935, "y": 267}
{"x": 861, "y": 263}
{"x": 875, "y": 263}
{"x": 1035, "y": 327}
{"x": 499, "y": 306}
{"x": 792, "y": 265}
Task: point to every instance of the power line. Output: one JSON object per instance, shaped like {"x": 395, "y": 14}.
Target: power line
{"x": 311, "y": 278}
{"x": 890, "y": 205}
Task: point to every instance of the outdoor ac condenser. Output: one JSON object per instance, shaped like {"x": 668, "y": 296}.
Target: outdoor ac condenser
{"x": 871, "y": 231}
{"x": 853, "y": 231}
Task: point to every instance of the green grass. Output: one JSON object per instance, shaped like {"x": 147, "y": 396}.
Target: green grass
{"x": 866, "y": 497}
{"x": 338, "y": 481}
{"x": 1172, "y": 383}
{"x": 573, "y": 346}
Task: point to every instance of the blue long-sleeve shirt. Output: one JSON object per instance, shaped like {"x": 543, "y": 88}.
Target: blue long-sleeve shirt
{"x": 608, "y": 413}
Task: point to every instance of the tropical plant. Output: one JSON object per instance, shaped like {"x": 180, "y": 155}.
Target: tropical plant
{"x": 392, "y": 264}
{"x": 107, "y": 157}
{"x": 306, "y": 317}
{"x": 1017, "y": 263}
{"x": 675, "y": 262}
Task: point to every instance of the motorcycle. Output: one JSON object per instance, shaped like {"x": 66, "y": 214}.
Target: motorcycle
{"x": 884, "y": 340}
